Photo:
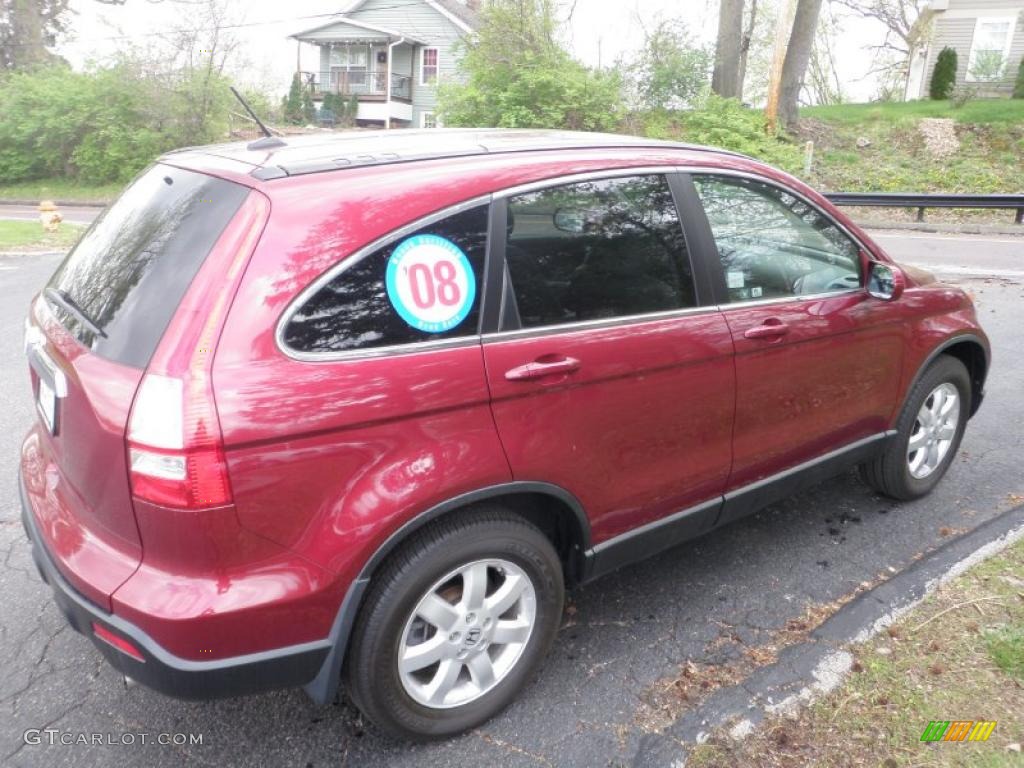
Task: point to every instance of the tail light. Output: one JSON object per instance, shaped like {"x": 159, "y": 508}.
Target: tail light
{"x": 175, "y": 446}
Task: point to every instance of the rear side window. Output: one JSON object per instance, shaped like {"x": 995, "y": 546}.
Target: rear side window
{"x": 597, "y": 249}
{"x": 423, "y": 286}
{"x": 119, "y": 287}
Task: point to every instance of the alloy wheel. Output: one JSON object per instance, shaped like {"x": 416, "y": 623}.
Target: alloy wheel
{"x": 466, "y": 633}
{"x": 934, "y": 430}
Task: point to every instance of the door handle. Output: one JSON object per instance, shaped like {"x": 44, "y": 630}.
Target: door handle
{"x": 771, "y": 329}
{"x": 543, "y": 366}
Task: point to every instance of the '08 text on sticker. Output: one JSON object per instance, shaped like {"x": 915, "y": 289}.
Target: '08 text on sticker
{"x": 430, "y": 283}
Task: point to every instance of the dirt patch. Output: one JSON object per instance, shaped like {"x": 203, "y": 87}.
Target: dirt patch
{"x": 939, "y": 135}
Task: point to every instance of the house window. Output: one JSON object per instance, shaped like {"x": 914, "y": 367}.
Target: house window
{"x": 990, "y": 48}
{"x": 428, "y": 66}
{"x": 428, "y": 120}
{"x": 349, "y": 56}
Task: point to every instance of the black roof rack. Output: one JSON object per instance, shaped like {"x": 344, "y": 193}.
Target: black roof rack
{"x": 317, "y": 153}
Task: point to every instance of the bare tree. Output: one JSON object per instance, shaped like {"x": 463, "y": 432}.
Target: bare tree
{"x": 745, "y": 43}
{"x": 725, "y": 78}
{"x": 28, "y": 29}
{"x": 798, "y": 53}
{"x": 903, "y": 21}
{"x": 823, "y": 85}
{"x": 906, "y": 25}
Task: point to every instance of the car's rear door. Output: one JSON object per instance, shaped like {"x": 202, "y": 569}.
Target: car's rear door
{"x": 609, "y": 377}
{"x": 817, "y": 359}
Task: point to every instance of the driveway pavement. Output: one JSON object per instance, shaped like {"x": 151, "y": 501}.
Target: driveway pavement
{"x": 621, "y": 635}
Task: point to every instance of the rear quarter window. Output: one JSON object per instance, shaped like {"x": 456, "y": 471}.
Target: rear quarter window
{"x": 422, "y": 286}
{"x": 131, "y": 269}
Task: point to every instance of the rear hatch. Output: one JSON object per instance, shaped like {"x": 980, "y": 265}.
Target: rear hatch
{"x": 89, "y": 337}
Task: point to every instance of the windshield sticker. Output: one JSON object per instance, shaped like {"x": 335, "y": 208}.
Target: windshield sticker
{"x": 430, "y": 283}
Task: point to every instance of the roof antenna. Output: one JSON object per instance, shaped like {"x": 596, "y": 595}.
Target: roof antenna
{"x": 268, "y": 140}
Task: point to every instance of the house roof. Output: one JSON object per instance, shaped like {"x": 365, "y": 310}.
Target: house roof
{"x": 457, "y": 12}
{"x": 341, "y": 21}
{"x": 299, "y": 155}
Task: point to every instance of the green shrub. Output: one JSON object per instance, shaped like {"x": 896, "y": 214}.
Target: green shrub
{"x": 671, "y": 70}
{"x": 527, "y": 79}
{"x": 943, "y": 75}
{"x": 1018, "y": 86}
{"x": 291, "y": 105}
{"x": 724, "y": 123}
{"x": 308, "y": 110}
{"x": 116, "y": 153}
{"x": 103, "y": 125}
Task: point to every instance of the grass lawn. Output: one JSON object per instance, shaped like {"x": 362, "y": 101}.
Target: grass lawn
{"x": 880, "y": 148}
{"x": 977, "y": 111}
{"x": 958, "y": 656}
{"x": 60, "y": 189}
{"x": 30, "y": 236}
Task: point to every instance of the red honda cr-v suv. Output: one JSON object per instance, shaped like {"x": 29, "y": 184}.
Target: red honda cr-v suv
{"x": 354, "y": 409}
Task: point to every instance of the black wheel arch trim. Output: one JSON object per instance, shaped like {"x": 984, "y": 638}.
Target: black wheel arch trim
{"x": 941, "y": 348}
{"x": 324, "y": 687}
{"x": 472, "y": 497}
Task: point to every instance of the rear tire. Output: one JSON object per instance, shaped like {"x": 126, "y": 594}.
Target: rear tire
{"x": 929, "y": 431}
{"x": 420, "y": 669}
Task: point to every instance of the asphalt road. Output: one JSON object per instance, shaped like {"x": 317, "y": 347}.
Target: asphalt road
{"x": 621, "y": 635}
{"x": 75, "y": 214}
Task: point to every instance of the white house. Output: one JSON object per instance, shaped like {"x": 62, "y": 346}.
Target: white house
{"x": 390, "y": 55}
{"x": 987, "y": 35}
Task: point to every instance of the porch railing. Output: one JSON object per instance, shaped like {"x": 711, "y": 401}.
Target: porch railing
{"x": 359, "y": 83}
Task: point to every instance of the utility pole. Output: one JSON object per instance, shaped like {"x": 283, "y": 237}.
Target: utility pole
{"x": 783, "y": 29}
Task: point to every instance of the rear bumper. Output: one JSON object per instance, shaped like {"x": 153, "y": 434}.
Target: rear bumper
{"x": 161, "y": 670}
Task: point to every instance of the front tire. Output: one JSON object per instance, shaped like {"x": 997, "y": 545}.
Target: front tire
{"x": 458, "y": 621}
{"x": 929, "y": 431}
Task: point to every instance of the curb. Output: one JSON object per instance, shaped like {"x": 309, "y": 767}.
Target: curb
{"x": 807, "y": 670}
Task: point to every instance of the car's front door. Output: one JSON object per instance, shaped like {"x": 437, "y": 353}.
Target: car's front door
{"x": 817, "y": 359}
{"x": 608, "y": 378}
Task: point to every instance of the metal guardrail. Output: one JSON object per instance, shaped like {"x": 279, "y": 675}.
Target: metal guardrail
{"x": 922, "y": 201}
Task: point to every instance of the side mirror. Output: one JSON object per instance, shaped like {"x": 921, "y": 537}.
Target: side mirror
{"x": 885, "y": 281}
{"x": 567, "y": 220}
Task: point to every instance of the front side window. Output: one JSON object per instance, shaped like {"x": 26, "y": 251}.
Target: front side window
{"x": 420, "y": 287}
{"x": 773, "y": 244}
{"x": 990, "y": 49}
{"x": 597, "y": 249}
{"x": 428, "y": 69}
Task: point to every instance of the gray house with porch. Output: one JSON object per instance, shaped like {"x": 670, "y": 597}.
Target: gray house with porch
{"x": 987, "y": 35}
{"x": 390, "y": 56}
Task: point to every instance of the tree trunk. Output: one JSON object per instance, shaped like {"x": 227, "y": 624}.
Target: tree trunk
{"x": 748, "y": 35}
{"x": 801, "y": 40}
{"x": 725, "y": 80}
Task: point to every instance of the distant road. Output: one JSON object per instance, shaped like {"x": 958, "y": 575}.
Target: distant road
{"x": 75, "y": 214}
{"x": 957, "y": 255}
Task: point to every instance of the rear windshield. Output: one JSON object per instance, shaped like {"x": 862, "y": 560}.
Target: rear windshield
{"x": 118, "y": 289}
